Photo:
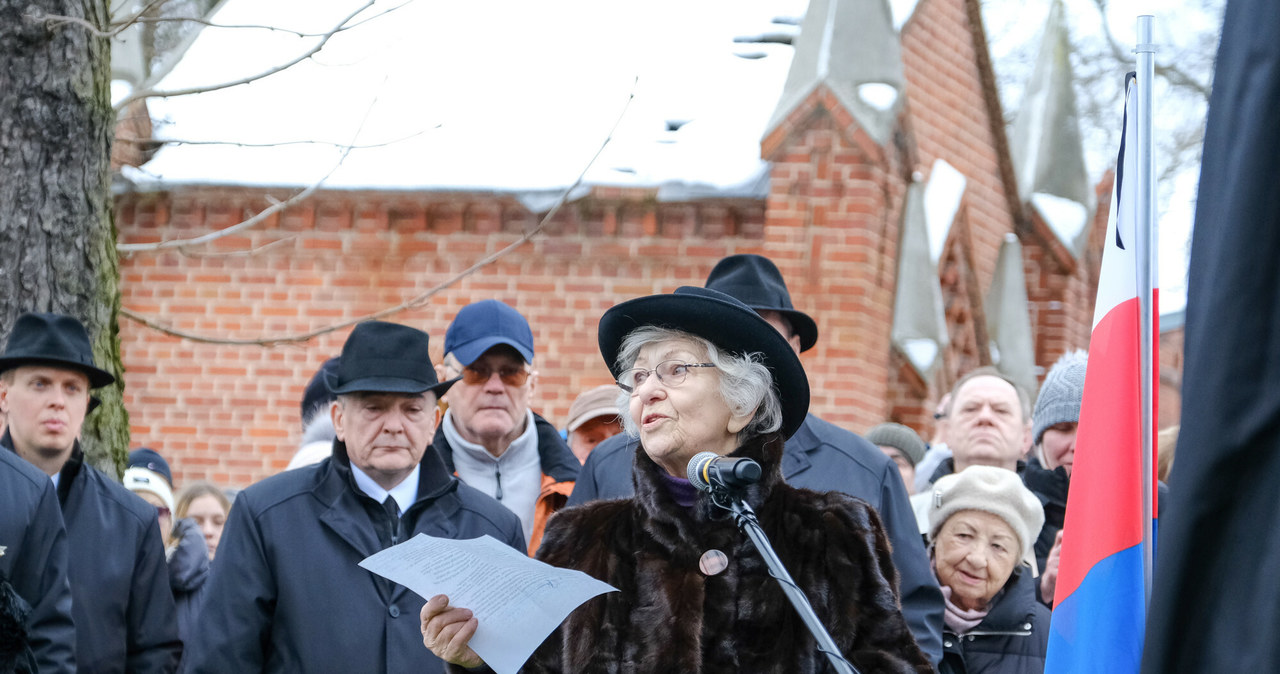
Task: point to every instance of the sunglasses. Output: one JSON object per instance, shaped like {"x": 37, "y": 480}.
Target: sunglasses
{"x": 480, "y": 374}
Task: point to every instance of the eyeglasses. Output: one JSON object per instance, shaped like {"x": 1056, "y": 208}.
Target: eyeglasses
{"x": 670, "y": 372}
{"x": 479, "y": 374}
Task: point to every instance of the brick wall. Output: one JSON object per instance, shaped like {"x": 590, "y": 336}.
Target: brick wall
{"x": 229, "y": 412}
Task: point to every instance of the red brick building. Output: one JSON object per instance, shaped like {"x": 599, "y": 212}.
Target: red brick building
{"x": 843, "y": 160}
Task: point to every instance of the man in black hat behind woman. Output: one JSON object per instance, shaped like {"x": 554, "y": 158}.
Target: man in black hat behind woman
{"x": 287, "y": 594}
{"x": 121, "y": 602}
{"x": 820, "y": 456}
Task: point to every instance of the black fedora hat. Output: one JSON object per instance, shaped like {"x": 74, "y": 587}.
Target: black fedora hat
{"x": 53, "y": 339}
{"x": 381, "y": 357}
{"x": 755, "y": 281}
{"x": 725, "y": 322}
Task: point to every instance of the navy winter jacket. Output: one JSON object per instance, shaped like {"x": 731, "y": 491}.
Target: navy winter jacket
{"x": 34, "y": 560}
{"x": 286, "y": 593}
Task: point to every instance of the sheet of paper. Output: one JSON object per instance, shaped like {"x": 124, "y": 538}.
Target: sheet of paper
{"x": 518, "y": 601}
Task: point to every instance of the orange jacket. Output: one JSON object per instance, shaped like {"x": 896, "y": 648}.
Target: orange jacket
{"x": 551, "y": 499}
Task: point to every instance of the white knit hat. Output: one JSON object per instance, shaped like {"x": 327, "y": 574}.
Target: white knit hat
{"x": 141, "y": 479}
{"x": 998, "y": 491}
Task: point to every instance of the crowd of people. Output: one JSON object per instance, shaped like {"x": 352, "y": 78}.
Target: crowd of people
{"x": 915, "y": 556}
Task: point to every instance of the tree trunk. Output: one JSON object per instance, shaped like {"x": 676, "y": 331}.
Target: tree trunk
{"x": 57, "y": 232}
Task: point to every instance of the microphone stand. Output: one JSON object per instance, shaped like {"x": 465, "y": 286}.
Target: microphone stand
{"x": 750, "y": 525}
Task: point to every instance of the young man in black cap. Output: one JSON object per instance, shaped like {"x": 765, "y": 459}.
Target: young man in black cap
{"x": 287, "y": 594}
{"x": 123, "y": 609}
{"x": 820, "y": 456}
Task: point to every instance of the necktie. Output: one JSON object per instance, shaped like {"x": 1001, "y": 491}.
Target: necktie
{"x": 393, "y": 519}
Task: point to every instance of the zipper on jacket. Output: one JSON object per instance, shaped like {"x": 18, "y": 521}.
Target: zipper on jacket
{"x": 497, "y": 474}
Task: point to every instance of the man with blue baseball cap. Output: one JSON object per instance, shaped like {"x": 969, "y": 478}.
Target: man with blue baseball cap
{"x": 489, "y": 436}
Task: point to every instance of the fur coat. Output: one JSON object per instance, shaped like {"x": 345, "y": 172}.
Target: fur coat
{"x": 669, "y": 617}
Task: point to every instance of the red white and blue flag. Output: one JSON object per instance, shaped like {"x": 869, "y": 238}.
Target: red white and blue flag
{"x": 1098, "y": 621}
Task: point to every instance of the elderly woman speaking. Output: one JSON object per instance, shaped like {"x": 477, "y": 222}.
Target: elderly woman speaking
{"x": 983, "y": 523}
{"x": 699, "y": 371}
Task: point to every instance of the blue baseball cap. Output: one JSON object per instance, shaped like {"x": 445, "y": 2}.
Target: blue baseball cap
{"x": 482, "y": 325}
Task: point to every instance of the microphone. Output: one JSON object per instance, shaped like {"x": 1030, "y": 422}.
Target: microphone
{"x": 708, "y": 470}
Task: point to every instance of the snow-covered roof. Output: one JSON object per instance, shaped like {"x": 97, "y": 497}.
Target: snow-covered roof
{"x": 497, "y": 94}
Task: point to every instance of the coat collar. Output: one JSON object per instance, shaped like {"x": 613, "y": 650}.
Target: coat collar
{"x": 69, "y": 471}
{"x": 1012, "y": 609}
{"x": 434, "y": 479}
{"x": 344, "y": 514}
{"x": 554, "y": 455}
{"x": 673, "y": 527}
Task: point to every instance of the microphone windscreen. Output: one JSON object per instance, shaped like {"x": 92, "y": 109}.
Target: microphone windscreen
{"x": 697, "y": 466}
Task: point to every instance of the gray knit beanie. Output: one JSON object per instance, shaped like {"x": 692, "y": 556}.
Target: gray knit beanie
{"x": 1059, "y": 399}
{"x": 900, "y": 437}
{"x": 998, "y": 491}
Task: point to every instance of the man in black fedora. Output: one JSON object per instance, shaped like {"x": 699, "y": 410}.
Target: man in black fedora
{"x": 121, "y": 601}
{"x": 820, "y": 456}
{"x": 287, "y": 594}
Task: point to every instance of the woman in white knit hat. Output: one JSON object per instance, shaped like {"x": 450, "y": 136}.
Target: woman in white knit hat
{"x": 982, "y": 524}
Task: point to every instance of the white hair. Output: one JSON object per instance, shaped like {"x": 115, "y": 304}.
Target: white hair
{"x": 746, "y": 384}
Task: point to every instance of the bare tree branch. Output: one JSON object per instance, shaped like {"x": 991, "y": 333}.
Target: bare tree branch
{"x": 134, "y": 140}
{"x": 417, "y": 300}
{"x": 183, "y": 244}
{"x": 345, "y": 24}
{"x": 248, "y": 252}
{"x": 1175, "y": 75}
{"x": 207, "y": 23}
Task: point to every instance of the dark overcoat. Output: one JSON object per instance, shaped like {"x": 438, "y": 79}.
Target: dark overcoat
{"x": 669, "y": 617}
{"x": 34, "y": 560}
{"x": 121, "y": 602}
{"x": 822, "y": 457}
{"x": 286, "y": 593}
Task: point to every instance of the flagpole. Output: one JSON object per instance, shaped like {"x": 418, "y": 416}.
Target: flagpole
{"x": 1145, "y": 226}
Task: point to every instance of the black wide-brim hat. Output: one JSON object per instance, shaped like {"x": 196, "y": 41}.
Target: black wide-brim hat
{"x": 56, "y": 340}
{"x": 381, "y": 357}
{"x": 722, "y": 320}
{"x": 755, "y": 281}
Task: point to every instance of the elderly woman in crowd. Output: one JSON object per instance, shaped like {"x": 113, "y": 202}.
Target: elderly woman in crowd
{"x": 982, "y": 525}
{"x": 702, "y": 372}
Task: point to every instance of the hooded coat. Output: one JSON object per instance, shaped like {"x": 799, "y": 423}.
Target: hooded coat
{"x": 669, "y": 617}
{"x": 286, "y": 593}
{"x": 188, "y": 571}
